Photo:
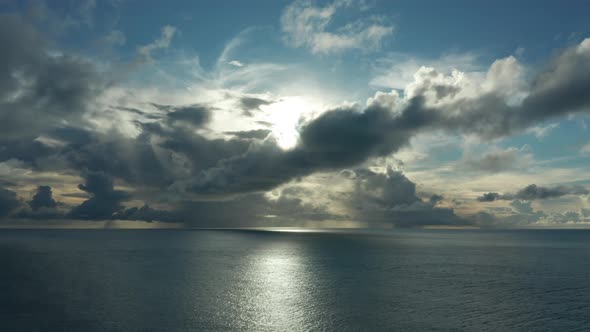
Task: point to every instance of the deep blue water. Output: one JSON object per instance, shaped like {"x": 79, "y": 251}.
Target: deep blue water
{"x": 182, "y": 280}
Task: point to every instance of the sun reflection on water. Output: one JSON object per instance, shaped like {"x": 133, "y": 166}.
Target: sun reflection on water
{"x": 262, "y": 281}
{"x": 285, "y": 293}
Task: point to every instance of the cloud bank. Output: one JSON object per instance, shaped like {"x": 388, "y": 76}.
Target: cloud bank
{"x": 67, "y": 115}
{"x": 534, "y": 192}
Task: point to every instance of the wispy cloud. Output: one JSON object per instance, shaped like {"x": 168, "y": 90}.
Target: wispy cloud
{"x": 309, "y": 26}
{"x": 163, "y": 42}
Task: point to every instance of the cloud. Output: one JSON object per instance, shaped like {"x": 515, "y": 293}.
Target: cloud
{"x": 252, "y": 103}
{"x": 376, "y": 198}
{"x": 248, "y": 210}
{"x": 254, "y": 210}
{"x": 146, "y": 213}
{"x": 194, "y": 115}
{"x": 40, "y": 88}
{"x": 521, "y": 215}
{"x": 306, "y": 25}
{"x": 347, "y": 136}
{"x": 43, "y": 199}
{"x": 163, "y": 152}
{"x": 145, "y": 52}
{"x": 250, "y": 134}
{"x": 542, "y": 131}
{"x": 489, "y": 197}
{"x": 115, "y": 38}
{"x": 398, "y": 70}
{"x": 566, "y": 217}
{"x": 391, "y": 198}
{"x": 105, "y": 201}
{"x": 236, "y": 63}
{"x": 157, "y": 148}
{"x": 522, "y": 206}
{"x": 534, "y": 192}
{"x": 9, "y": 202}
{"x": 336, "y": 139}
{"x": 500, "y": 160}
{"x": 41, "y": 207}
{"x": 435, "y": 199}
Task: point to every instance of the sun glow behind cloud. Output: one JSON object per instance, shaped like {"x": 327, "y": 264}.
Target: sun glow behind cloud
{"x": 285, "y": 116}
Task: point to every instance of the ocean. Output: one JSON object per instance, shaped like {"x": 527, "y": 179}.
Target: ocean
{"x": 238, "y": 280}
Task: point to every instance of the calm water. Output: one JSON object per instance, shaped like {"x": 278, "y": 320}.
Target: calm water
{"x": 146, "y": 280}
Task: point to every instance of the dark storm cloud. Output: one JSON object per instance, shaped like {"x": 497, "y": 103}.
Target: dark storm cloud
{"x": 557, "y": 90}
{"x": 196, "y": 151}
{"x": 41, "y": 206}
{"x": 562, "y": 86}
{"x": 392, "y": 189}
{"x": 27, "y": 150}
{"x": 9, "y": 202}
{"x": 336, "y": 139}
{"x": 43, "y": 199}
{"x": 104, "y": 202}
{"x": 391, "y": 198}
{"x": 39, "y": 88}
{"x": 133, "y": 159}
{"x": 534, "y": 192}
{"x": 72, "y": 135}
{"x": 155, "y": 158}
{"x": 347, "y": 137}
{"x": 263, "y": 166}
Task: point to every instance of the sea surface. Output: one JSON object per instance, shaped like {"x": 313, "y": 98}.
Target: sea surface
{"x": 213, "y": 280}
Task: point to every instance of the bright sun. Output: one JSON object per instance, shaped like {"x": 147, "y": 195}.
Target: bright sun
{"x": 284, "y": 116}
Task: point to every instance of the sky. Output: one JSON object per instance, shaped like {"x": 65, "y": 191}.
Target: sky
{"x": 343, "y": 113}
